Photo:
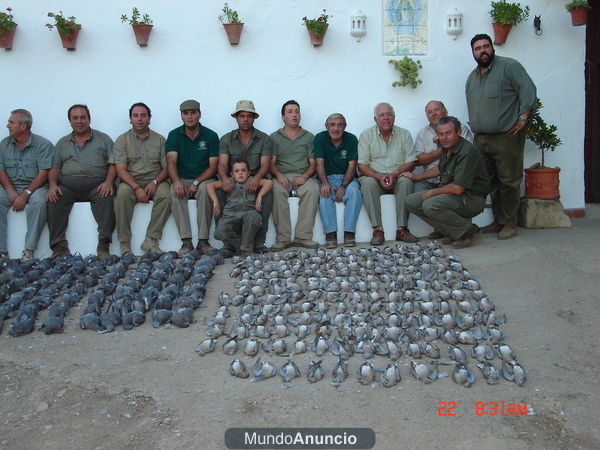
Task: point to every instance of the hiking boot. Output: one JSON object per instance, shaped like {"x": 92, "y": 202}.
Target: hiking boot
{"x": 331, "y": 240}
{"x": 447, "y": 240}
{"x": 261, "y": 248}
{"x": 349, "y": 240}
{"x": 185, "y": 249}
{"x": 125, "y": 247}
{"x": 204, "y": 246}
{"x": 150, "y": 245}
{"x": 436, "y": 235}
{"x": 244, "y": 253}
{"x": 378, "y": 238}
{"x": 279, "y": 245}
{"x": 60, "y": 251}
{"x": 3, "y": 256}
{"x": 306, "y": 243}
{"x": 402, "y": 234}
{"x": 27, "y": 255}
{"x": 466, "y": 240}
{"x": 493, "y": 227}
{"x": 507, "y": 232}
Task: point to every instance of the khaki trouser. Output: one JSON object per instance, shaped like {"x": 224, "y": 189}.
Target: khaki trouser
{"x": 371, "y": 191}
{"x": 307, "y": 209}
{"x": 447, "y": 213}
{"x": 125, "y": 202}
{"x": 503, "y": 157}
{"x": 239, "y": 229}
{"x": 181, "y": 213}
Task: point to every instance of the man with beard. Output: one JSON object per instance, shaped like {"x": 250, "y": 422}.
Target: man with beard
{"x": 500, "y": 98}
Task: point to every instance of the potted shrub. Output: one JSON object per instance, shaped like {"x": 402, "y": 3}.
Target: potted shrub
{"x": 504, "y": 16}
{"x": 317, "y": 28}
{"x": 141, "y": 25}
{"x": 67, "y": 28}
{"x": 409, "y": 72}
{"x": 231, "y": 22}
{"x": 579, "y": 12}
{"x": 540, "y": 181}
{"x": 8, "y": 27}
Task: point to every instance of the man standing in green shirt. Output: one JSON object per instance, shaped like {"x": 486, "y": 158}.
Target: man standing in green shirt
{"x": 293, "y": 167}
{"x": 500, "y": 98}
{"x": 464, "y": 184}
{"x": 192, "y": 158}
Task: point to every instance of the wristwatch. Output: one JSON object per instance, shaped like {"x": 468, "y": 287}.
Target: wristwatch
{"x": 344, "y": 185}
{"x": 196, "y": 183}
{"x": 523, "y": 118}
{"x": 155, "y": 182}
{"x": 28, "y": 192}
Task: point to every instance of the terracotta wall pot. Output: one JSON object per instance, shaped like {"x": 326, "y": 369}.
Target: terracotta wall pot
{"x": 500, "y": 32}
{"x": 234, "y": 31}
{"x": 579, "y": 16}
{"x": 69, "y": 41}
{"x": 142, "y": 34}
{"x": 316, "y": 39}
{"x": 542, "y": 183}
{"x": 6, "y": 38}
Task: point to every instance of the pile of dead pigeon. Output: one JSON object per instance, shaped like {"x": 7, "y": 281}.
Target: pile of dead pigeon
{"x": 373, "y": 306}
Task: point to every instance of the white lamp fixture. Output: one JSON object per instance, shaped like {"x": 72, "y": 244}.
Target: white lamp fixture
{"x": 358, "y": 27}
{"x": 454, "y": 25}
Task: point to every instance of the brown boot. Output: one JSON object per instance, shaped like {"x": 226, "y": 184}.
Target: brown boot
{"x": 349, "y": 239}
{"x": 507, "y": 232}
{"x": 402, "y": 234}
{"x": 378, "y": 238}
{"x": 331, "y": 240}
{"x": 493, "y": 227}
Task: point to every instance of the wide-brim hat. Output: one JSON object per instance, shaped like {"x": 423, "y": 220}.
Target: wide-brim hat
{"x": 244, "y": 105}
{"x": 189, "y": 105}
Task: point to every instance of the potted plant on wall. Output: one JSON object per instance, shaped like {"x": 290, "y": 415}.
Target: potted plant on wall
{"x": 504, "y": 16}
{"x": 141, "y": 25}
{"x": 8, "y": 27}
{"x": 231, "y": 22}
{"x": 317, "y": 28}
{"x": 579, "y": 12}
{"x": 409, "y": 72}
{"x": 540, "y": 181}
{"x": 67, "y": 28}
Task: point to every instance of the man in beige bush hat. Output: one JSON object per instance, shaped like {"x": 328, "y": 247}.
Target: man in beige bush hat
{"x": 254, "y": 147}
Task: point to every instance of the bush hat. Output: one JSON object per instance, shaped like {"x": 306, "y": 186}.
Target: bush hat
{"x": 244, "y": 105}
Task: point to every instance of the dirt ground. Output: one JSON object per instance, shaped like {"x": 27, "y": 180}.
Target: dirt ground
{"x": 148, "y": 388}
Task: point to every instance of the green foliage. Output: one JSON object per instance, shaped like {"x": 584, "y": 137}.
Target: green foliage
{"x": 409, "y": 72}
{"x": 64, "y": 25}
{"x": 137, "y": 18}
{"x": 6, "y": 21}
{"x": 577, "y": 4}
{"x": 229, "y": 15}
{"x": 318, "y": 25}
{"x": 542, "y": 134}
{"x": 508, "y": 13}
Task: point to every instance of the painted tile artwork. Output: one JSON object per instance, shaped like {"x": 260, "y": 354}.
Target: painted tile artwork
{"x": 405, "y": 27}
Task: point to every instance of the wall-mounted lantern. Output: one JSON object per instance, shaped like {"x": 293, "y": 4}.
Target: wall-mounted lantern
{"x": 358, "y": 25}
{"x": 454, "y": 25}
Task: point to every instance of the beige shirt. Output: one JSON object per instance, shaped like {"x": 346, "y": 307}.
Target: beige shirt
{"x": 91, "y": 160}
{"x": 385, "y": 157}
{"x": 144, "y": 158}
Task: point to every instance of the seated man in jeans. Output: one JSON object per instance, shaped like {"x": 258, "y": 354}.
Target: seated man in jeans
{"x": 336, "y": 154}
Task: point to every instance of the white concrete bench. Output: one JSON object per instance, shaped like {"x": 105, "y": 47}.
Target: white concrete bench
{"x": 82, "y": 232}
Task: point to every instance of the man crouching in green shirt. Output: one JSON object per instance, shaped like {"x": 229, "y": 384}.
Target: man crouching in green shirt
{"x": 463, "y": 187}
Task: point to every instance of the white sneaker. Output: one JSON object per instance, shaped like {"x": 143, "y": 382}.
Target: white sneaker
{"x": 27, "y": 255}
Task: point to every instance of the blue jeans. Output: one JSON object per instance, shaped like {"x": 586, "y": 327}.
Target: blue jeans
{"x": 352, "y": 204}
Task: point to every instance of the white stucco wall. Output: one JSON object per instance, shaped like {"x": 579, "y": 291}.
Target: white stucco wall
{"x": 189, "y": 57}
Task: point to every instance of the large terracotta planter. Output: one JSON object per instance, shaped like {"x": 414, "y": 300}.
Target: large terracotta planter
{"x": 542, "y": 183}
{"x": 317, "y": 39}
{"x": 142, "y": 34}
{"x": 69, "y": 41}
{"x": 6, "y": 38}
{"x": 500, "y": 32}
{"x": 579, "y": 16}
{"x": 234, "y": 31}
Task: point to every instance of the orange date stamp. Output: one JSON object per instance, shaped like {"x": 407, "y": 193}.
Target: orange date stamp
{"x": 450, "y": 409}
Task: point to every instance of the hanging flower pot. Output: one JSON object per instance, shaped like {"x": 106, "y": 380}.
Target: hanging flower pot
{"x": 67, "y": 28}
{"x": 6, "y": 38}
{"x": 317, "y": 28}
{"x": 542, "y": 183}
{"x": 579, "y": 16}
{"x": 142, "y": 34}
{"x": 69, "y": 41}
{"x": 500, "y": 32}
{"x": 234, "y": 31}
{"x": 316, "y": 39}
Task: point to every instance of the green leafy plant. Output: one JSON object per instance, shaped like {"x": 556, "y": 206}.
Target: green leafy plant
{"x": 137, "y": 18}
{"x": 577, "y": 4}
{"x": 229, "y": 15}
{"x": 6, "y": 21}
{"x": 409, "y": 72}
{"x": 542, "y": 134}
{"x": 318, "y": 25}
{"x": 64, "y": 25}
{"x": 508, "y": 13}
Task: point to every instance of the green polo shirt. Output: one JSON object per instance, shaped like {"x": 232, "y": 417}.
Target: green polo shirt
{"x": 91, "y": 160}
{"x": 192, "y": 156}
{"x": 260, "y": 145}
{"x": 385, "y": 157}
{"x": 144, "y": 158}
{"x": 496, "y": 99}
{"x": 22, "y": 166}
{"x": 293, "y": 155}
{"x": 465, "y": 167}
{"x": 336, "y": 158}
